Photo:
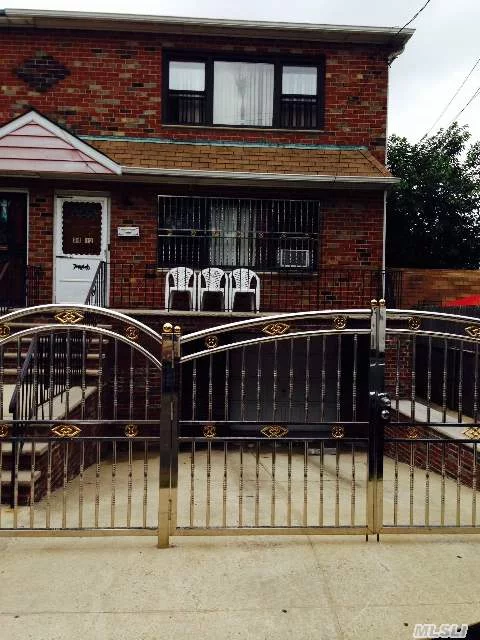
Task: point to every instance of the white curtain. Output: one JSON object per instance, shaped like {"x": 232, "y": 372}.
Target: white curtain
{"x": 299, "y": 81}
{"x": 233, "y": 238}
{"x": 243, "y": 93}
{"x": 186, "y": 76}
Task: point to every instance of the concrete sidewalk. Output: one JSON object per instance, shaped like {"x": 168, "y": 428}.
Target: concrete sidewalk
{"x": 236, "y": 587}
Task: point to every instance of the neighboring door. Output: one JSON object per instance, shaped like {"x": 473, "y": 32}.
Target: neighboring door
{"x": 81, "y": 243}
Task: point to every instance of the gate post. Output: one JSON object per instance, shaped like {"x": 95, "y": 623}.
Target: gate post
{"x": 168, "y": 434}
{"x": 379, "y": 414}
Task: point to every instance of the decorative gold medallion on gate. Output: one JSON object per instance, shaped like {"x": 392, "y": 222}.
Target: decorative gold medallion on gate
{"x": 412, "y": 433}
{"x": 338, "y": 431}
{"x": 3, "y": 430}
{"x": 473, "y": 331}
{"x": 340, "y": 322}
{"x": 69, "y": 316}
{"x": 209, "y": 431}
{"x": 211, "y": 342}
{"x": 274, "y": 431}
{"x": 66, "y": 431}
{"x": 4, "y": 330}
{"x": 276, "y": 328}
{"x": 132, "y": 333}
{"x": 131, "y": 430}
{"x": 414, "y": 323}
{"x": 472, "y": 433}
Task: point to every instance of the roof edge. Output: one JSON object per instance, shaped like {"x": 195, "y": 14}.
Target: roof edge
{"x": 393, "y": 37}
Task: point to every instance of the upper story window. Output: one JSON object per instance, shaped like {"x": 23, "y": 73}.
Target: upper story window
{"x": 271, "y": 93}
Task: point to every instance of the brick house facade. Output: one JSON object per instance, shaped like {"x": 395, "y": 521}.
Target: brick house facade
{"x": 97, "y": 91}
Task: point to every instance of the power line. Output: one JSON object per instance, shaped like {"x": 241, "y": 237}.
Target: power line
{"x": 412, "y": 19}
{"x": 477, "y": 92}
{"x": 453, "y": 97}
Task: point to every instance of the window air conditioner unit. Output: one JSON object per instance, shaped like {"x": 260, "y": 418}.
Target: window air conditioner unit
{"x": 294, "y": 258}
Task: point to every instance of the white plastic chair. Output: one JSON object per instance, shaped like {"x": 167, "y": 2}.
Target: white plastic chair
{"x": 181, "y": 279}
{"x": 212, "y": 280}
{"x": 244, "y": 281}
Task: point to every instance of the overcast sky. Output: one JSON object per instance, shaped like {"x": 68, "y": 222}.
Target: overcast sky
{"x": 423, "y": 79}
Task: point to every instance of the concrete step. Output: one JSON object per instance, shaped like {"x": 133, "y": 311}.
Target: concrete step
{"x": 27, "y": 448}
{"x": 24, "y": 477}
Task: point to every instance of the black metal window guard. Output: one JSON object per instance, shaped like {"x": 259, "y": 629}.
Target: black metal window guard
{"x": 19, "y": 285}
{"x": 258, "y": 234}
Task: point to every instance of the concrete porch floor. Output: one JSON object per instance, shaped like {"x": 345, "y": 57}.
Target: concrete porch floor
{"x": 259, "y": 587}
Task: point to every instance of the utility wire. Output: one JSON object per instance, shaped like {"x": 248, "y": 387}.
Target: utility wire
{"x": 452, "y": 98}
{"x": 412, "y": 19}
{"x": 477, "y": 92}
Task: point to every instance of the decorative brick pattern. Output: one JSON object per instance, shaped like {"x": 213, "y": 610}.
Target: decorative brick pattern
{"x": 42, "y": 72}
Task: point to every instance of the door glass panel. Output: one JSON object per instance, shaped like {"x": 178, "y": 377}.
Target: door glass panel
{"x": 82, "y": 228}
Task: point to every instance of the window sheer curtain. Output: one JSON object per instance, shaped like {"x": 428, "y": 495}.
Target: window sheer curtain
{"x": 243, "y": 93}
{"x": 232, "y": 224}
{"x": 299, "y": 81}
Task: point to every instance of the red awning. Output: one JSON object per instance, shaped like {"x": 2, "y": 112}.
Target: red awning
{"x": 468, "y": 301}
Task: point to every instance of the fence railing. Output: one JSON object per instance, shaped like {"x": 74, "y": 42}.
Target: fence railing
{"x": 19, "y": 285}
{"x": 142, "y": 286}
{"x": 97, "y": 294}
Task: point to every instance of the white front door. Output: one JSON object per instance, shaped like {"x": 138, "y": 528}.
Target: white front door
{"x": 81, "y": 243}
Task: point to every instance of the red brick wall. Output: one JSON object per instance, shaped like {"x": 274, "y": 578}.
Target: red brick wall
{"x": 434, "y": 287}
{"x": 114, "y": 85}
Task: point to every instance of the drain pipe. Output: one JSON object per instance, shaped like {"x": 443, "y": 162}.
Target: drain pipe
{"x": 384, "y": 242}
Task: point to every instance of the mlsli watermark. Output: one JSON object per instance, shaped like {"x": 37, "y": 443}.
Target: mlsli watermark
{"x": 440, "y": 631}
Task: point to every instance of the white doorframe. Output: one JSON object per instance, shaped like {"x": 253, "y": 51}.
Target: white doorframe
{"x": 80, "y": 196}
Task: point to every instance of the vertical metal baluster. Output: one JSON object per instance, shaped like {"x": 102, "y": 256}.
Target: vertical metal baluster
{"x": 224, "y": 485}
{"x": 15, "y": 457}
{"x": 192, "y": 483}
{"x": 307, "y": 378}
{"x": 210, "y": 388}
{"x": 427, "y": 485}
{"x": 474, "y": 486}
{"x": 115, "y": 379}
{"x": 257, "y": 483}
{"x": 194, "y": 389}
{"x": 114, "y": 483}
{"x": 68, "y": 373}
{"x": 444, "y": 381}
{"x": 354, "y": 381}
{"x": 339, "y": 376}
{"x": 65, "y": 482}
{"x": 337, "y": 485}
{"x": 442, "y": 496}
{"x": 1, "y": 462}
{"x": 275, "y": 380}
{"x": 460, "y": 384}
{"x": 323, "y": 384}
{"x": 2, "y": 386}
{"x": 147, "y": 389}
{"x": 459, "y": 483}
{"x": 413, "y": 387}
{"x": 80, "y": 488}
{"x": 475, "y": 386}
{"x": 145, "y": 483}
{"x": 289, "y": 485}
{"x": 273, "y": 504}
{"x": 242, "y": 387}
{"x": 352, "y": 506}
{"x": 82, "y": 375}
{"x": 395, "y": 488}
{"x": 429, "y": 379}
{"x": 397, "y": 376}
{"x": 290, "y": 382}
{"x": 305, "y": 483}
{"x": 240, "y": 492}
{"x": 412, "y": 479}
{"x": 129, "y": 484}
{"x": 209, "y": 469}
{"x": 320, "y": 506}
{"x": 131, "y": 386}
{"x": 97, "y": 484}
{"x": 259, "y": 377}
{"x": 227, "y": 384}
{"x": 49, "y": 485}
{"x": 100, "y": 378}
{"x": 32, "y": 485}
